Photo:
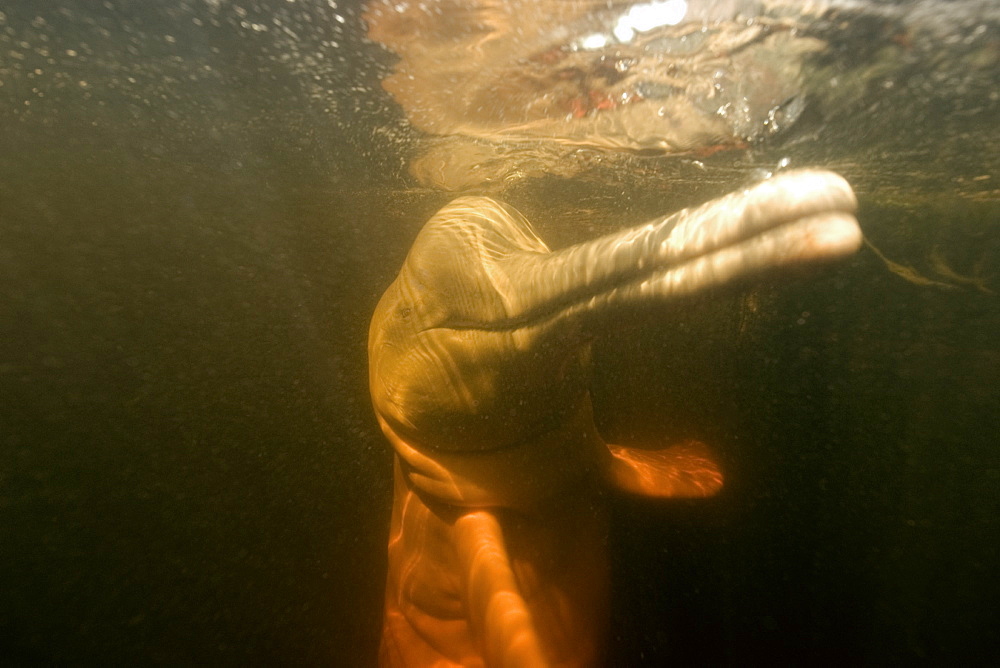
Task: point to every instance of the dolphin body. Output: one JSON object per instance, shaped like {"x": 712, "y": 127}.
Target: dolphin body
{"x": 478, "y": 356}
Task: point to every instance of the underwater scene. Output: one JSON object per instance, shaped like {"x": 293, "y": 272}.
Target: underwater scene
{"x": 482, "y": 332}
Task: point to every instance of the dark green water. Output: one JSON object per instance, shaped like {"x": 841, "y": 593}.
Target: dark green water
{"x": 197, "y": 217}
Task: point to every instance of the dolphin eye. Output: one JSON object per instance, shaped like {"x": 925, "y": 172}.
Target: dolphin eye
{"x": 404, "y": 312}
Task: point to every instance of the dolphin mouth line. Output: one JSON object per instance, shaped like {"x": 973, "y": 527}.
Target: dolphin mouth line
{"x": 794, "y": 219}
{"x": 715, "y": 269}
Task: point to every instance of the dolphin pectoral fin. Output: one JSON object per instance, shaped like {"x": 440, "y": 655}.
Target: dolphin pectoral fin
{"x": 683, "y": 470}
{"x": 498, "y": 614}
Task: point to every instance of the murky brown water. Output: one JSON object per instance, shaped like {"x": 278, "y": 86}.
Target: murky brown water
{"x": 200, "y": 205}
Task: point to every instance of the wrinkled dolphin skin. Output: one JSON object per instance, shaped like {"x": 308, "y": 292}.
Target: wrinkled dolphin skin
{"x": 478, "y": 366}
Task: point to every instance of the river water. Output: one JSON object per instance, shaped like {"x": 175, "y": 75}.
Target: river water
{"x": 200, "y": 204}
